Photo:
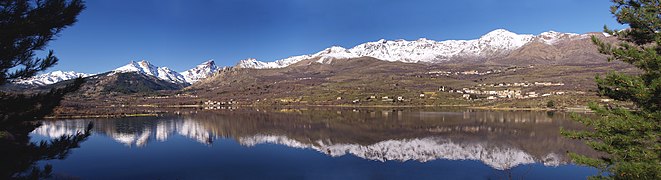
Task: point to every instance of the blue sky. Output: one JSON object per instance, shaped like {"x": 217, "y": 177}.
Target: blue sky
{"x": 183, "y": 33}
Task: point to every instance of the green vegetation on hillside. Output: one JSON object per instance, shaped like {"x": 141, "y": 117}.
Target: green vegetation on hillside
{"x": 630, "y": 137}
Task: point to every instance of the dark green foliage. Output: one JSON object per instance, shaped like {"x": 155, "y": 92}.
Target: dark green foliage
{"x": 19, "y": 109}
{"x": 27, "y": 26}
{"x": 550, "y": 104}
{"x": 18, "y": 157}
{"x": 630, "y": 137}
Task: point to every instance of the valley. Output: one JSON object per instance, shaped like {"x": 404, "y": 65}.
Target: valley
{"x": 500, "y": 70}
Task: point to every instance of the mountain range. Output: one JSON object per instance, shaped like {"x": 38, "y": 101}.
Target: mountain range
{"x": 496, "y": 44}
{"x": 51, "y": 77}
{"x": 498, "y": 47}
{"x": 143, "y": 67}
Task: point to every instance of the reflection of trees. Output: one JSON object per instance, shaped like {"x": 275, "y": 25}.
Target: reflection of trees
{"x": 380, "y": 132}
{"x": 19, "y": 157}
{"x": 499, "y": 139}
{"x": 27, "y": 26}
{"x": 17, "y": 154}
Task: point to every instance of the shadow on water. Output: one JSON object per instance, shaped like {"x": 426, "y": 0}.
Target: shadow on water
{"x": 19, "y": 156}
{"x": 501, "y": 140}
{"x": 19, "y": 153}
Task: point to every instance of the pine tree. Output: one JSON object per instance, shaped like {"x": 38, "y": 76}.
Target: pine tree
{"x": 630, "y": 136}
{"x": 26, "y": 26}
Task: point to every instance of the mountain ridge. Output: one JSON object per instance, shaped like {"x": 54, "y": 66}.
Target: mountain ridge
{"x": 500, "y": 47}
{"x": 51, "y": 77}
{"x": 201, "y": 71}
{"x": 495, "y": 44}
{"x": 144, "y": 67}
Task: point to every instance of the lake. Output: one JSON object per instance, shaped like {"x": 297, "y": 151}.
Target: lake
{"x": 322, "y": 144}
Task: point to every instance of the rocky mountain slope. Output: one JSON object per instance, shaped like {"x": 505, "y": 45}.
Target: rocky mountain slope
{"x": 143, "y": 76}
{"x": 146, "y": 68}
{"x": 143, "y": 67}
{"x": 386, "y": 69}
{"x": 51, "y": 77}
{"x": 496, "y": 46}
{"x": 114, "y": 83}
{"x": 135, "y": 77}
{"x": 200, "y": 72}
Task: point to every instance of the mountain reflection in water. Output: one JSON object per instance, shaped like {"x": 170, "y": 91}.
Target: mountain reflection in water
{"x": 499, "y": 139}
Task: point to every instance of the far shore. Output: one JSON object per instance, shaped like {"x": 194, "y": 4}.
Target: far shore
{"x": 568, "y": 109}
{"x": 121, "y": 115}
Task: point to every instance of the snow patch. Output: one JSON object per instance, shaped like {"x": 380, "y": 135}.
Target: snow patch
{"x": 146, "y": 68}
{"x": 495, "y": 43}
{"x": 200, "y": 72}
{"x": 51, "y": 78}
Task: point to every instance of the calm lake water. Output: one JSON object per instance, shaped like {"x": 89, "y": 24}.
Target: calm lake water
{"x": 322, "y": 144}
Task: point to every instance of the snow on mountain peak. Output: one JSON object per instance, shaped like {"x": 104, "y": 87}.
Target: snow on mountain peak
{"x": 424, "y": 40}
{"x": 146, "y": 68}
{"x": 143, "y": 67}
{"x": 495, "y": 43}
{"x": 335, "y": 52}
{"x": 253, "y": 63}
{"x": 501, "y": 39}
{"x": 553, "y": 37}
{"x": 325, "y": 56}
{"x": 333, "y": 49}
{"x": 51, "y": 78}
{"x": 201, "y": 71}
{"x": 499, "y": 32}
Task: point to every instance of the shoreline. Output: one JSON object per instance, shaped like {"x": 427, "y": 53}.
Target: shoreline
{"x": 100, "y": 116}
{"x": 122, "y": 115}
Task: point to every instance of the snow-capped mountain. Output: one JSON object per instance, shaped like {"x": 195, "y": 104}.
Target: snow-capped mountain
{"x": 202, "y": 71}
{"x": 51, "y": 78}
{"x": 419, "y": 149}
{"x": 424, "y": 149}
{"x": 552, "y": 37}
{"x": 497, "y": 43}
{"x": 325, "y": 56}
{"x": 146, "y": 68}
{"x": 493, "y": 44}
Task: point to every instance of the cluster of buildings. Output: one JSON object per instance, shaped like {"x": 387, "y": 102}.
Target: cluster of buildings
{"x": 175, "y": 96}
{"x": 469, "y": 72}
{"x": 220, "y": 108}
{"x": 474, "y": 72}
{"x": 522, "y": 84}
{"x": 210, "y": 104}
{"x": 185, "y": 95}
{"x": 500, "y": 94}
{"x": 375, "y": 98}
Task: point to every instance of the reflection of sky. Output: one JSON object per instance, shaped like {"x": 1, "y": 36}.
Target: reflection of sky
{"x": 183, "y": 158}
{"x": 422, "y": 149}
{"x": 171, "y": 149}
